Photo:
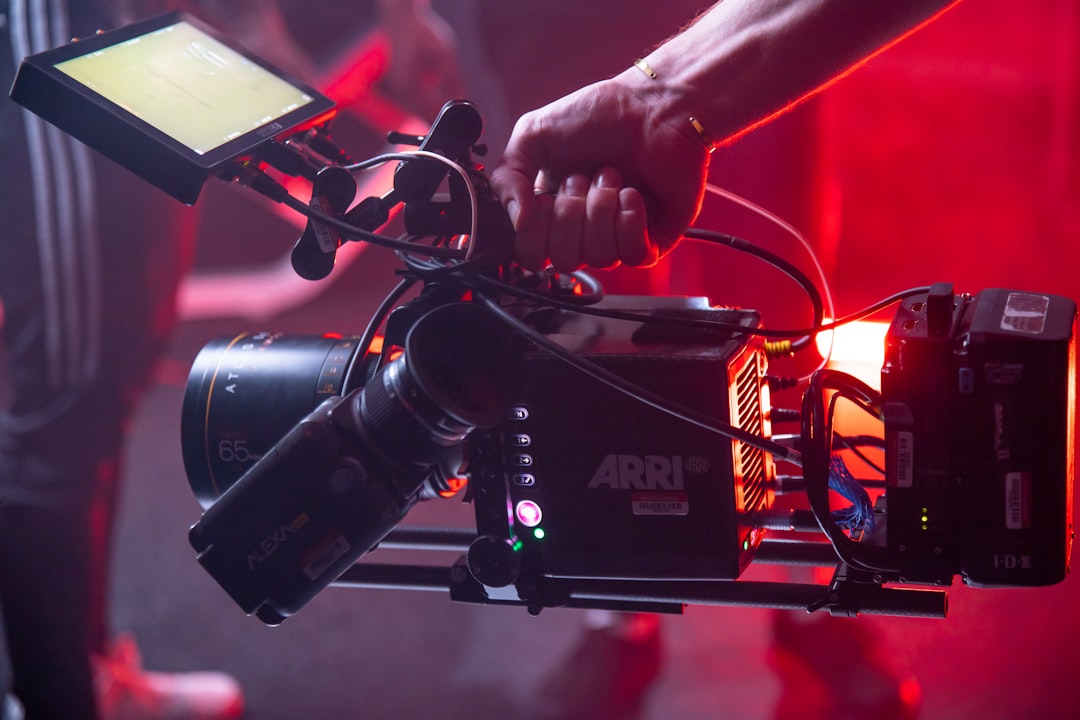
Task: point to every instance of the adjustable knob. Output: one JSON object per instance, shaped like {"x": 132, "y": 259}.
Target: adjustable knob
{"x": 493, "y": 561}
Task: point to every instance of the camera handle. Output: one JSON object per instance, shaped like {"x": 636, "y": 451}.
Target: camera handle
{"x": 454, "y": 135}
{"x": 455, "y": 132}
{"x": 314, "y": 254}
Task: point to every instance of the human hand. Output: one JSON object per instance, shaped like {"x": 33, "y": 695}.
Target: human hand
{"x": 600, "y": 177}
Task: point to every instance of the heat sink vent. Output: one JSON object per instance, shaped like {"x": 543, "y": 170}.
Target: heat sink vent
{"x": 750, "y": 462}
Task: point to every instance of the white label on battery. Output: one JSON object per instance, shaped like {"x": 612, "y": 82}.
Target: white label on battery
{"x": 1018, "y": 500}
{"x": 905, "y": 459}
{"x": 661, "y": 503}
{"x": 1025, "y": 312}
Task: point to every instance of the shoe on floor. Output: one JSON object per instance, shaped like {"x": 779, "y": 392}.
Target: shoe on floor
{"x": 128, "y": 692}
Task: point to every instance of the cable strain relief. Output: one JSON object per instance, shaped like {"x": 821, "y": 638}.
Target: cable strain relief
{"x": 778, "y": 348}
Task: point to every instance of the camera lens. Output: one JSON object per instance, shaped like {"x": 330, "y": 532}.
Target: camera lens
{"x": 454, "y": 376}
{"x": 244, "y": 393}
{"x": 347, "y": 472}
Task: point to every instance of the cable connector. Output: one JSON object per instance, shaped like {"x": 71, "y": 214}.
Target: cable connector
{"x": 256, "y": 178}
{"x": 784, "y": 415}
{"x": 781, "y": 382}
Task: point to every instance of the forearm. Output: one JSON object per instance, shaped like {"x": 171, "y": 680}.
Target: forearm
{"x": 744, "y": 61}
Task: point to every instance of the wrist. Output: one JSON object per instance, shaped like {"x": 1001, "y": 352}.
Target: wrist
{"x": 668, "y": 103}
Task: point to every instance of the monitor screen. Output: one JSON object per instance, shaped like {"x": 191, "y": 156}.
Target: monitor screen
{"x": 187, "y": 84}
{"x": 169, "y": 98}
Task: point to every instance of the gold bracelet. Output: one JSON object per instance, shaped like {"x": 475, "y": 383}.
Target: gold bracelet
{"x": 645, "y": 68}
{"x": 702, "y": 133}
{"x": 706, "y": 138}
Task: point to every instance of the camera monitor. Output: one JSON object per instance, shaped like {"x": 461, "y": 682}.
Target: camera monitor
{"x": 168, "y": 98}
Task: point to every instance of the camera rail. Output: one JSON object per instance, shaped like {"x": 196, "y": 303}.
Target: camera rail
{"x": 841, "y": 597}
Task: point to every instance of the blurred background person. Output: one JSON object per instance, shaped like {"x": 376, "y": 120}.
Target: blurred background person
{"x": 89, "y": 275}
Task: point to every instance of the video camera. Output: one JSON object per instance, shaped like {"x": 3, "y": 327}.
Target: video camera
{"x": 618, "y": 451}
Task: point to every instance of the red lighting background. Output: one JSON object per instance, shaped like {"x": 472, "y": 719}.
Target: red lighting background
{"x": 952, "y": 157}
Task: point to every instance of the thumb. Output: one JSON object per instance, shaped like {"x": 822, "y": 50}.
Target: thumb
{"x": 514, "y": 189}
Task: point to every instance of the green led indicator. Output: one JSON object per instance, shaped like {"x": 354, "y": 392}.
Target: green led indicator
{"x": 745, "y": 544}
{"x": 539, "y": 533}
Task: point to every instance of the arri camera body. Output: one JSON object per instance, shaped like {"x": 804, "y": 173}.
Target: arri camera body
{"x": 603, "y": 486}
{"x": 618, "y": 451}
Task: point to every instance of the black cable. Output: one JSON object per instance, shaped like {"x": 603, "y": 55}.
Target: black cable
{"x": 817, "y": 443}
{"x": 266, "y": 185}
{"x": 854, "y": 445}
{"x": 877, "y": 307}
{"x": 262, "y": 183}
{"x": 429, "y": 268}
{"x": 366, "y": 236}
{"x": 593, "y": 289}
{"x": 363, "y": 345}
{"x": 640, "y": 394}
{"x": 745, "y": 246}
{"x": 279, "y": 194}
{"x": 491, "y": 284}
{"x": 566, "y": 301}
{"x": 816, "y": 420}
{"x": 506, "y": 288}
{"x": 855, "y": 493}
{"x": 853, "y": 441}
